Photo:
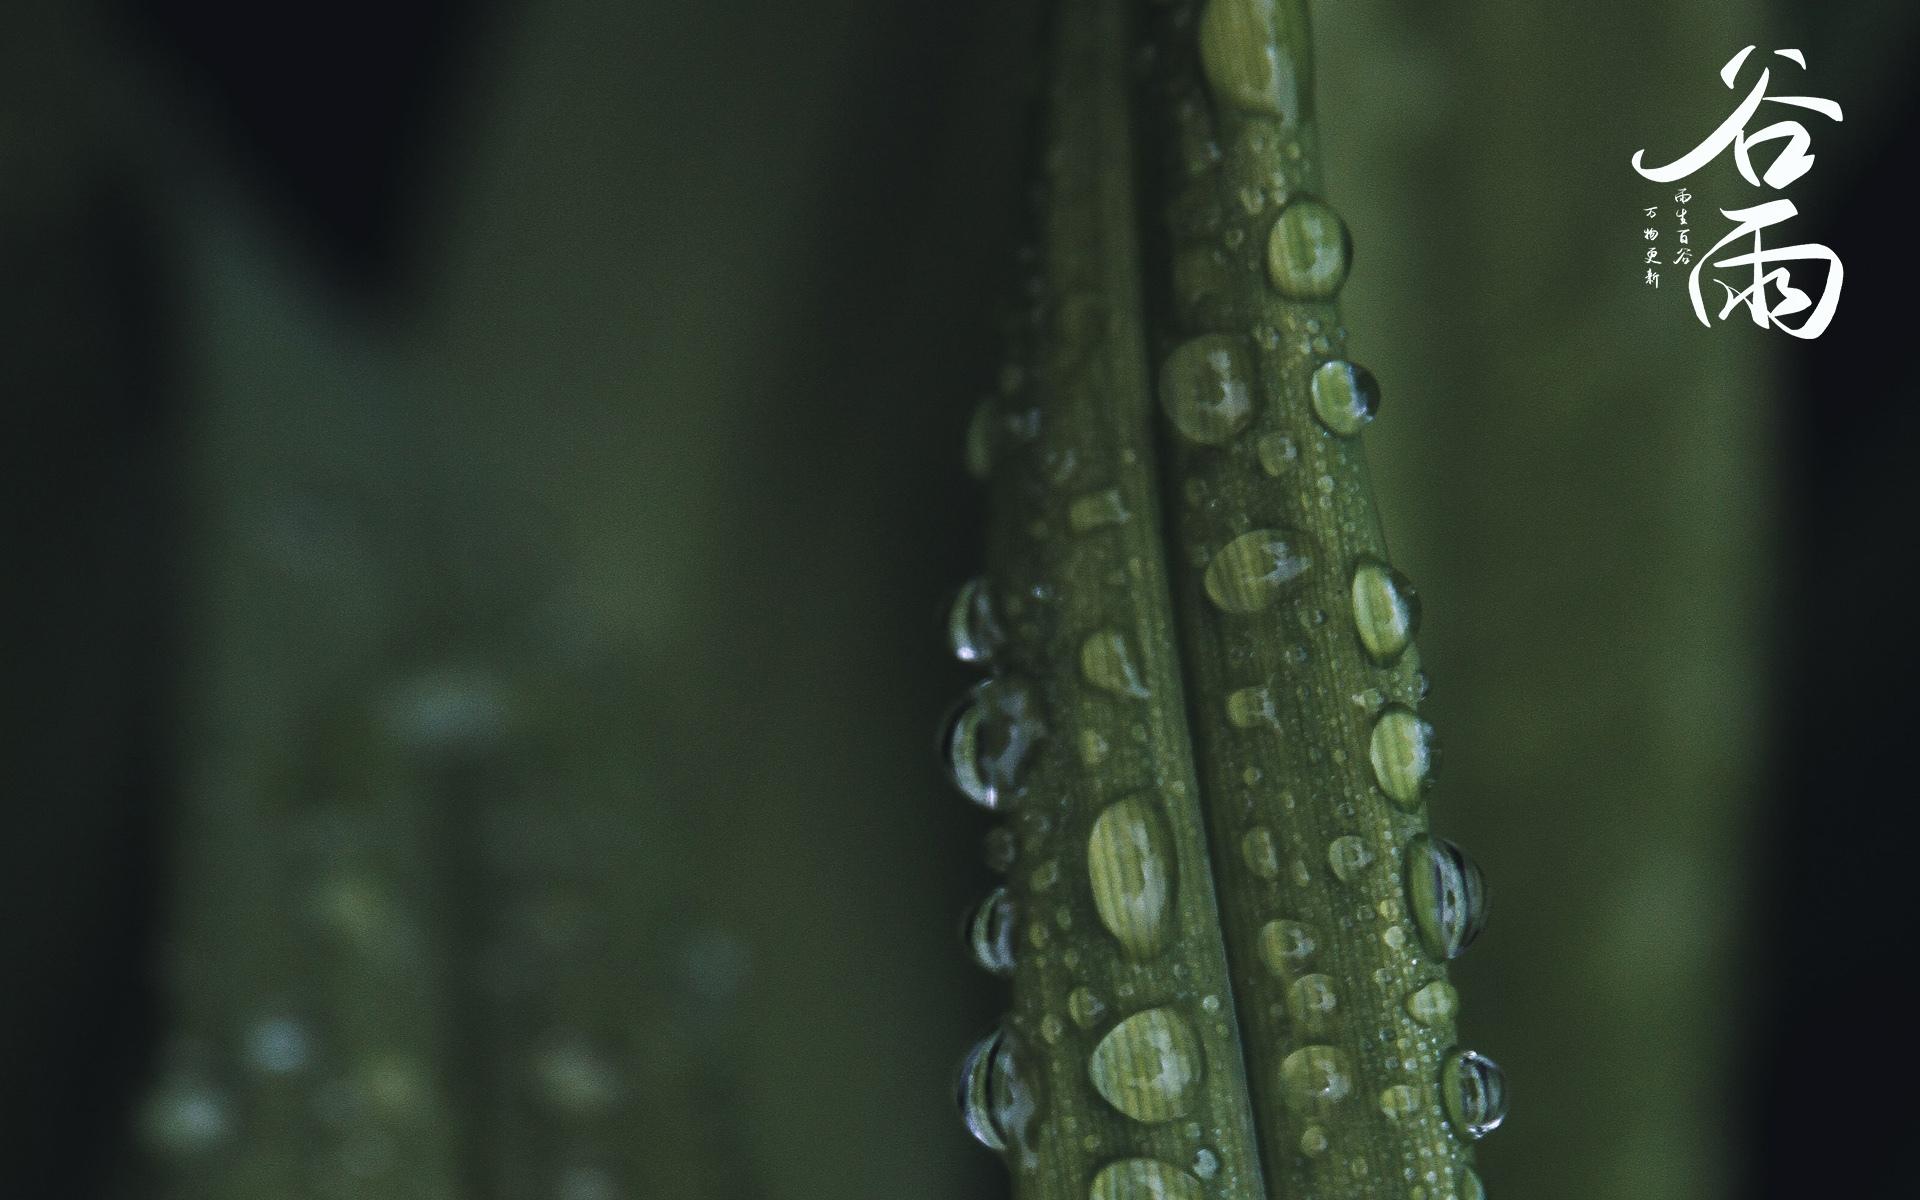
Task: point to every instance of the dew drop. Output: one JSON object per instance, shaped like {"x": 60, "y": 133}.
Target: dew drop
{"x": 1312, "y": 1001}
{"x": 1345, "y": 396}
{"x": 1148, "y": 1066}
{"x": 1474, "y": 1090}
{"x": 999, "y": 1097}
{"x": 1130, "y": 867}
{"x": 1144, "y": 1179}
{"x": 1277, "y": 453}
{"x": 1096, "y": 509}
{"x": 1348, "y": 856}
{"x": 572, "y": 1076}
{"x": 1207, "y": 388}
{"x": 1252, "y": 708}
{"x": 1402, "y": 751}
{"x": 999, "y": 849}
{"x": 987, "y": 739}
{"x": 1250, "y": 54}
{"x": 1206, "y": 1164}
{"x": 1085, "y": 1008}
{"x": 278, "y": 1046}
{"x": 1434, "y": 1004}
{"x": 1308, "y": 251}
{"x": 1107, "y": 663}
{"x": 1313, "y": 1141}
{"x": 1261, "y": 855}
{"x": 990, "y": 930}
{"x": 1386, "y": 610}
{"x": 973, "y": 633}
{"x": 1315, "y": 1078}
{"x": 185, "y": 1115}
{"x": 1399, "y": 1102}
{"x": 1250, "y": 572}
{"x": 1286, "y": 945}
{"x": 1447, "y": 893}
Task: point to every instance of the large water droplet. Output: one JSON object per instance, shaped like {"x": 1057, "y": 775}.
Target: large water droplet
{"x": 1130, "y": 866}
{"x": 1345, "y": 396}
{"x": 1474, "y": 1089}
{"x": 1144, "y": 1179}
{"x": 1312, "y": 1001}
{"x": 990, "y": 930}
{"x": 1434, "y": 1004}
{"x": 1348, "y": 856}
{"x": 973, "y": 633}
{"x": 1285, "y": 946}
{"x": 988, "y": 738}
{"x": 1149, "y": 1065}
{"x": 1315, "y": 1078}
{"x": 1447, "y": 893}
{"x": 1207, "y": 388}
{"x": 1402, "y": 751}
{"x": 1308, "y": 251}
{"x": 1107, "y": 663}
{"x": 1253, "y": 570}
{"x": 999, "y": 1097}
{"x": 1251, "y": 53}
{"x": 1386, "y": 610}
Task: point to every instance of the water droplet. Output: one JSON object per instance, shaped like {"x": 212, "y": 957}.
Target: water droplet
{"x": 990, "y": 929}
{"x": 1402, "y": 750}
{"x": 1085, "y": 1008}
{"x": 1144, "y": 1179}
{"x": 1399, "y": 1102}
{"x": 1148, "y": 1066}
{"x": 999, "y": 849}
{"x": 1447, "y": 893}
{"x": 979, "y": 446}
{"x": 1386, "y": 610}
{"x": 1308, "y": 251}
{"x": 1130, "y": 865}
{"x": 1250, "y": 51}
{"x": 1348, "y": 856}
{"x": 987, "y": 739}
{"x": 574, "y": 1077}
{"x": 1252, "y": 708}
{"x": 1207, "y": 388}
{"x": 1052, "y": 1028}
{"x": 1096, "y": 509}
{"x": 973, "y": 633}
{"x": 1107, "y": 663}
{"x": 1345, "y": 396}
{"x": 1286, "y": 945}
{"x": 1474, "y": 1090}
{"x": 1313, "y": 1141}
{"x": 1277, "y": 453}
{"x": 185, "y": 1115}
{"x": 1434, "y": 1004}
{"x": 1252, "y": 570}
{"x": 999, "y": 1098}
{"x": 1312, "y": 1001}
{"x": 278, "y": 1046}
{"x": 1315, "y": 1078}
{"x": 1261, "y": 855}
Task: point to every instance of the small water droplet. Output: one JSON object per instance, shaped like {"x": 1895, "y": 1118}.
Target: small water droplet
{"x": 1312, "y": 1001}
{"x": 1474, "y": 1090}
{"x": 1403, "y": 751}
{"x": 1207, "y": 388}
{"x": 1085, "y": 1008}
{"x": 1251, "y": 52}
{"x": 1107, "y": 663}
{"x": 1130, "y": 867}
{"x": 1399, "y": 1102}
{"x": 1386, "y": 610}
{"x": 1447, "y": 893}
{"x": 987, "y": 739}
{"x": 1313, "y": 1141}
{"x": 1277, "y": 453}
{"x": 1253, "y": 570}
{"x": 999, "y": 849}
{"x": 1434, "y": 1004}
{"x": 1315, "y": 1078}
{"x": 1348, "y": 856}
{"x": 1052, "y": 1028}
{"x": 1206, "y": 1164}
{"x": 1096, "y": 509}
{"x": 973, "y": 633}
{"x": 999, "y": 1097}
{"x": 990, "y": 929}
{"x": 278, "y": 1046}
{"x": 574, "y": 1077}
{"x": 1148, "y": 1066}
{"x": 1261, "y": 854}
{"x": 1252, "y": 708}
{"x": 185, "y": 1115}
{"x": 979, "y": 442}
{"x": 1345, "y": 396}
{"x": 1286, "y": 946}
{"x": 1308, "y": 251}
{"x": 1144, "y": 1179}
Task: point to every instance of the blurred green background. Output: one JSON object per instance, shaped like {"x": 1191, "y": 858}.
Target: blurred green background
{"x": 484, "y": 475}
